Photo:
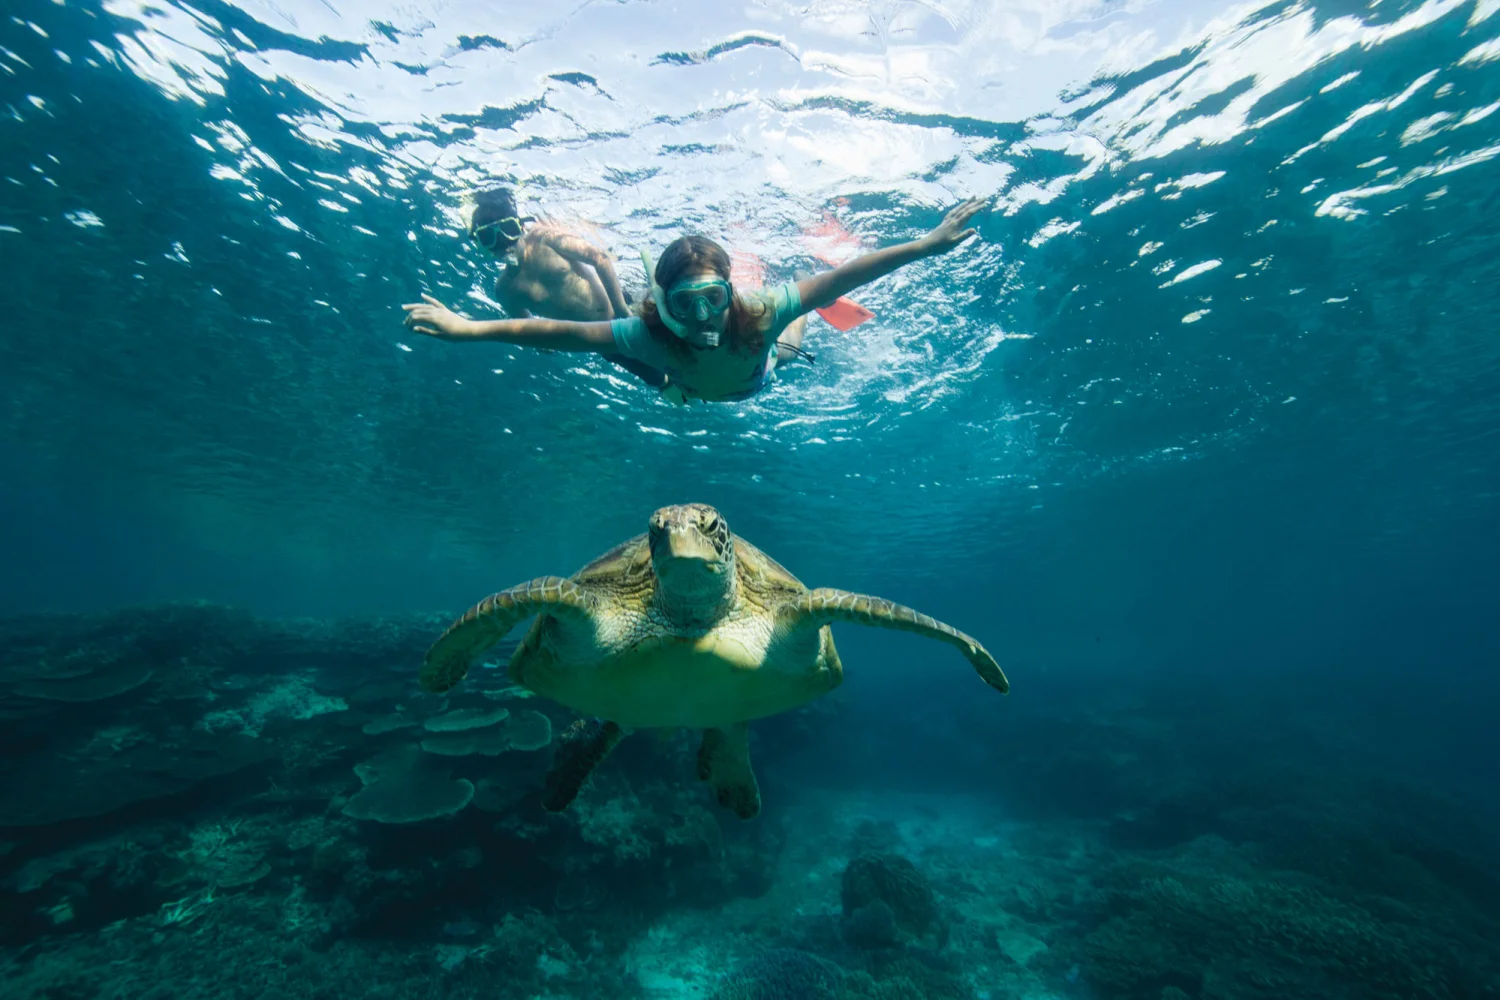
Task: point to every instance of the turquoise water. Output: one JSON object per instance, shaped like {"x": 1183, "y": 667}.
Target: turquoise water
{"x": 1198, "y": 437}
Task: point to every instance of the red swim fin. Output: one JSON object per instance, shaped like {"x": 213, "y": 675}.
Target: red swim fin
{"x": 845, "y": 314}
{"x": 746, "y": 270}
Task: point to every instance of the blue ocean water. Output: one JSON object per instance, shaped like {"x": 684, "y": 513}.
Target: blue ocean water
{"x": 1198, "y": 437}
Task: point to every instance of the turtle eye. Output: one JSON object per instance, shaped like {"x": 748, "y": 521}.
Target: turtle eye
{"x": 712, "y": 525}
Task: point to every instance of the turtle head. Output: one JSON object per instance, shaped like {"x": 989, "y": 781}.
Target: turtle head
{"x": 692, "y": 552}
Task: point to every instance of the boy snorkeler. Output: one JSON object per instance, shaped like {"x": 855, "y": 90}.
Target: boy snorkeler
{"x": 550, "y": 271}
{"x": 714, "y": 342}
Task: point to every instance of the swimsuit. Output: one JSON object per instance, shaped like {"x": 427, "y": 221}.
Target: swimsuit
{"x": 718, "y": 375}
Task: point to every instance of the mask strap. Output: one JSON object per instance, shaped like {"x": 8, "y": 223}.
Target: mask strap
{"x": 663, "y": 313}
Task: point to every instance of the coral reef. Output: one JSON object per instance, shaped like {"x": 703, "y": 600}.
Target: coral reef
{"x": 1206, "y": 923}
{"x": 529, "y": 730}
{"x": 783, "y": 974}
{"x": 884, "y": 897}
{"x": 404, "y": 786}
{"x": 466, "y": 743}
{"x": 197, "y": 803}
{"x": 466, "y": 718}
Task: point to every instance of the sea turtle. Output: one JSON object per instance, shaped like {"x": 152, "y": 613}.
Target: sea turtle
{"x": 685, "y": 626}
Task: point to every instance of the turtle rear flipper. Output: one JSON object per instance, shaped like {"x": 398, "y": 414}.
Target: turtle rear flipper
{"x": 825, "y": 606}
{"x": 724, "y": 762}
{"x": 583, "y": 746}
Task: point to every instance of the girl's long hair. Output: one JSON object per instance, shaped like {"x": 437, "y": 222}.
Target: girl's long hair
{"x": 696, "y": 254}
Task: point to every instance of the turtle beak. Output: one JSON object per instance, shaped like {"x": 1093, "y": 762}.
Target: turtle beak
{"x": 688, "y": 545}
{"x": 692, "y": 571}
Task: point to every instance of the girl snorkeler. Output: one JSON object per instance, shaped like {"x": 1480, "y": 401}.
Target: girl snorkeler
{"x": 714, "y": 343}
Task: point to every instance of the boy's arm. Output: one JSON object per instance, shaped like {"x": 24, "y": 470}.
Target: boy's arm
{"x": 434, "y": 319}
{"x": 579, "y": 249}
{"x": 821, "y": 289}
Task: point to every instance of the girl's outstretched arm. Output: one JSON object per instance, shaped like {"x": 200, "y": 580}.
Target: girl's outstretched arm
{"x": 822, "y": 289}
{"x": 434, "y": 319}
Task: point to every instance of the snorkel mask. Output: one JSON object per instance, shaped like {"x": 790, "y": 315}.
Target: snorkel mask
{"x": 690, "y": 302}
{"x": 511, "y": 228}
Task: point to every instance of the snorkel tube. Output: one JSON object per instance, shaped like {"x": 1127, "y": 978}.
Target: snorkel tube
{"x": 705, "y": 338}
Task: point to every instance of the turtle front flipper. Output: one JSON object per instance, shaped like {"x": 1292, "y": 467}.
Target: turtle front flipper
{"x": 724, "y": 762}
{"x": 582, "y": 747}
{"x": 486, "y": 623}
{"x": 825, "y": 606}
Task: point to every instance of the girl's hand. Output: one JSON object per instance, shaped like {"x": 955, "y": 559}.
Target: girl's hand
{"x": 953, "y": 229}
{"x": 436, "y": 320}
